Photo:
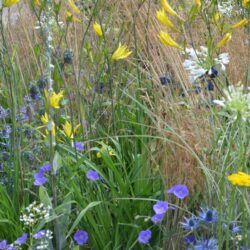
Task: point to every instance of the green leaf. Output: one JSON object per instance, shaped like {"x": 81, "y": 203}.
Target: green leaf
{"x": 57, "y": 162}
{"x": 44, "y": 197}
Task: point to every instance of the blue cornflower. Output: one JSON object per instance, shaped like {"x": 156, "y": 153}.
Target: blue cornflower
{"x": 144, "y": 236}
{"x": 208, "y": 215}
{"x": 39, "y": 235}
{"x": 157, "y": 218}
{"x": 190, "y": 223}
{"x": 3, "y": 244}
{"x": 179, "y": 190}
{"x": 93, "y": 175}
{"x": 81, "y": 237}
{"x": 79, "y": 146}
{"x": 160, "y": 207}
{"x": 22, "y": 239}
{"x": 210, "y": 244}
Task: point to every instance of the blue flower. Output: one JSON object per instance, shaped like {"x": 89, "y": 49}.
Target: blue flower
{"x": 39, "y": 235}
{"x": 160, "y": 207}
{"x": 93, "y": 175}
{"x": 39, "y": 179}
{"x": 21, "y": 240}
{"x": 79, "y": 146}
{"x": 190, "y": 223}
{"x": 11, "y": 247}
{"x": 208, "y": 215}
{"x": 3, "y": 243}
{"x": 81, "y": 237}
{"x": 233, "y": 228}
{"x": 144, "y": 236}
{"x": 210, "y": 85}
{"x": 45, "y": 168}
{"x": 157, "y": 218}
{"x": 210, "y": 244}
{"x": 179, "y": 190}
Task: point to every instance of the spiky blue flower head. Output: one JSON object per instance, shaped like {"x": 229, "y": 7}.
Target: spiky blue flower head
{"x": 208, "y": 215}
{"x": 232, "y": 227}
{"x": 190, "y": 223}
{"x": 210, "y": 244}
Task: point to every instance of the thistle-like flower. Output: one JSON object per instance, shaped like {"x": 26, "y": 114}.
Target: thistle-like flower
{"x": 166, "y": 39}
{"x": 98, "y": 29}
{"x": 9, "y": 3}
{"x": 121, "y": 52}
{"x": 162, "y": 18}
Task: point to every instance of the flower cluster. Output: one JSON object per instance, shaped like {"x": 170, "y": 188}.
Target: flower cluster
{"x": 240, "y": 179}
{"x": 35, "y": 213}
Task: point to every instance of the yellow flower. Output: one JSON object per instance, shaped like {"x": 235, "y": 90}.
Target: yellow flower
{"x": 8, "y": 3}
{"x": 111, "y": 152}
{"x": 54, "y": 98}
{"x": 167, "y": 40}
{"x": 240, "y": 24}
{"x": 37, "y": 2}
{"x": 98, "y": 29}
{"x": 45, "y": 121}
{"x": 240, "y": 179}
{"x": 216, "y": 17}
{"x": 73, "y": 7}
{"x": 98, "y": 155}
{"x": 245, "y": 3}
{"x": 224, "y": 40}
{"x": 121, "y": 52}
{"x": 166, "y": 6}
{"x": 198, "y": 3}
{"x": 68, "y": 129}
{"x": 162, "y": 18}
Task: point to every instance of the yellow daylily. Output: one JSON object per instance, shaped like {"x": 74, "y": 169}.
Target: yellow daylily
{"x": 73, "y": 7}
{"x": 240, "y": 179}
{"x": 54, "y": 98}
{"x": 224, "y": 40}
{"x": 98, "y": 29}
{"x": 45, "y": 121}
{"x": 240, "y": 24}
{"x": 121, "y": 52}
{"x": 8, "y": 3}
{"x": 69, "y": 130}
{"x": 162, "y": 18}
{"x": 166, "y": 39}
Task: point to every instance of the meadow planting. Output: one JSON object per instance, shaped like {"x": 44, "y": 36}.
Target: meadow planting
{"x": 125, "y": 125}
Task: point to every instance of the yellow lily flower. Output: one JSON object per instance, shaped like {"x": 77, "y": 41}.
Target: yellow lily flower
{"x": 45, "y": 121}
{"x": 54, "y": 98}
{"x": 162, "y": 18}
{"x": 69, "y": 130}
{"x": 240, "y": 179}
{"x": 121, "y": 52}
{"x": 224, "y": 40}
{"x": 8, "y": 3}
{"x": 198, "y": 3}
{"x": 240, "y": 24}
{"x": 166, "y": 39}
{"x": 73, "y": 7}
{"x": 166, "y": 6}
{"x": 98, "y": 29}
